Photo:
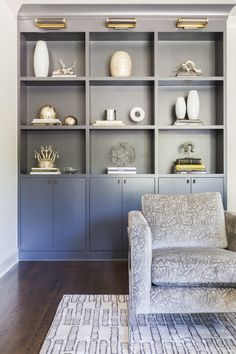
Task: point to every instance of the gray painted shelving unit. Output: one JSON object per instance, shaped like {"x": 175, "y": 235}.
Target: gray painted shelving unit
{"x": 84, "y": 216}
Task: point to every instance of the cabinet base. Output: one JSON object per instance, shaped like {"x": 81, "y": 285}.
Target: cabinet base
{"x": 71, "y": 255}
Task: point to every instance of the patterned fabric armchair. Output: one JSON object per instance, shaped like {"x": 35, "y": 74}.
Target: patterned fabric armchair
{"x": 182, "y": 255}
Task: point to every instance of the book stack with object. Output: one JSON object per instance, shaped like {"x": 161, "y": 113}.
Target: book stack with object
{"x": 46, "y": 121}
{"x": 45, "y": 171}
{"x": 189, "y": 165}
{"x": 121, "y": 170}
{"x": 108, "y": 123}
{"x": 189, "y": 122}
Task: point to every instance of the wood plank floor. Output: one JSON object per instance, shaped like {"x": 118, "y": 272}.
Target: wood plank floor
{"x": 31, "y": 292}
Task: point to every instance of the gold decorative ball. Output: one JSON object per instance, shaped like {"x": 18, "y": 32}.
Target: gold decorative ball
{"x": 47, "y": 112}
{"x": 70, "y": 120}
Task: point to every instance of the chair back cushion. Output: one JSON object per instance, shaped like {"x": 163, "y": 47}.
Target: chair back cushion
{"x": 189, "y": 220}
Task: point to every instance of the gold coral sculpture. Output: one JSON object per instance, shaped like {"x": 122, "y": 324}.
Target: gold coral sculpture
{"x": 46, "y": 156}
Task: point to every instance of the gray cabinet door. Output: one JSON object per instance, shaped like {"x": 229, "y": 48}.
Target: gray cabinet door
{"x": 36, "y": 233}
{"x": 69, "y": 214}
{"x": 208, "y": 184}
{"x": 105, "y": 214}
{"x": 133, "y": 190}
{"x": 174, "y": 185}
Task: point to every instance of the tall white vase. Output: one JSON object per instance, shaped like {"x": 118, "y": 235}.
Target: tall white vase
{"x": 193, "y": 104}
{"x": 41, "y": 59}
{"x": 180, "y": 108}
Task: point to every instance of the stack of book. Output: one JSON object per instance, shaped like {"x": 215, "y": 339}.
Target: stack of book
{"x": 46, "y": 121}
{"x": 45, "y": 171}
{"x": 189, "y": 165}
{"x": 108, "y": 122}
{"x": 188, "y": 122}
{"x": 121, "y": 170}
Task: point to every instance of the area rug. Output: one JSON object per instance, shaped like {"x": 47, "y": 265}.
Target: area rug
{"x": 97, "y": 324}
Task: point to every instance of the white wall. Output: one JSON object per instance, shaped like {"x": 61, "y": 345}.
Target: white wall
{"x": 231, "y": 111}
{"x": 8, "y": 160}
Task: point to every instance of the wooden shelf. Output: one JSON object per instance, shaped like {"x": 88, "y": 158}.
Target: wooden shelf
{"x": 200, "y": 127}
{"x": 41, "y": 81}
{"x": 193, "y": 81}
{"x": 52, "y": 127}
{"x": 123, "y": 127}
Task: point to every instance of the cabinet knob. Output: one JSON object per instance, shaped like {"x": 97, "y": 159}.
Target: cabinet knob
{"x": 194, "y": 181}
{"x": 124, "y": 181}
{"x": 187, "y": 181}
{"x": 118, "y": 181}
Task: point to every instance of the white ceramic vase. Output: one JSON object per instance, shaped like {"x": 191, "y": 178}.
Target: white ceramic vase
{"x": 41, "y": 59}
{"x": 193, "y": 104}
{"x": 180, "y": 108}
{"x": 120, "y": 64}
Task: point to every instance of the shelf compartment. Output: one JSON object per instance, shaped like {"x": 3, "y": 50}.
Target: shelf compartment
{"x": 208, "y": 146}
{"x": 68, "y": 46}
{"x": 69, "y": 101}
{"x": 139, "y": 45}
{"x": 205, "y": 49}
{"x": 71, "y": 147}
{"x": 122, "y": 97}
{"x": 211, "y": 103}
{"x": 102, "y": 141}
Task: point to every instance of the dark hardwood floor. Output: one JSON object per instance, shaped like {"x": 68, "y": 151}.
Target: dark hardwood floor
{"x": 31, "y": 292}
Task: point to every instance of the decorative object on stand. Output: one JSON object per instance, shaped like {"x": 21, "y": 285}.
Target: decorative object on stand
{"x": 70, "y": 120}
{"x": 193, "y": 107}
{"x": 64, "y": 72}
{"x": 47, "y": 112}
{"x": 41, "y": 59}
{"x": 120, "y": 64}
{"x": 46, "y": 158}
{"x": 70, "y": 170}
{"x": 47, "y": 116}
{"x": 188, "y": 69}
{"x": 110, "y": 114}
{"x": 180, "y": 108}
{"x": 193, "y": 104}
{"x": 190, "y": 165}
{"x": 122, "y": 155}
{"x": 137, "y": 114}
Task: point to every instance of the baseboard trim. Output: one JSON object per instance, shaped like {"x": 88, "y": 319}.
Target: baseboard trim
{"x": 9, "y": 263}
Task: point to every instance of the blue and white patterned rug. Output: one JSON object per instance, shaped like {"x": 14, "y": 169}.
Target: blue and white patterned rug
{"x": 97, "y": 324}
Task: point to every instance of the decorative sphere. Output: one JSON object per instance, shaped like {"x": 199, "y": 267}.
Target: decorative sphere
{"x": 70, "y": 120}
{"x": 122, "y": 154}
{"x": 120, "y": 64}
{"x": 47, "y": 112}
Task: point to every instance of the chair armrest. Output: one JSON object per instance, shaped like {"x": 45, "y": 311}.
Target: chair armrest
{"x": 230, "y": 223}
{"x": 140, "y": 261}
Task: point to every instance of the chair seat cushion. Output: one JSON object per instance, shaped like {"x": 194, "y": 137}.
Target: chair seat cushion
{"x": 193, "y": 266}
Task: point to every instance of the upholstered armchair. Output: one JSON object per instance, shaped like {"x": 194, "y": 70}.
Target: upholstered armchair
{"x": 182, "y": 255}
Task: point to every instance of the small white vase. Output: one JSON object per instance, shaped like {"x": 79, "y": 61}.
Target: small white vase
{"x": 41, "y": 59}
{"x": 120, "y": 64}
{"x": 180, "y": 108}
{"x": 193, "y": 104}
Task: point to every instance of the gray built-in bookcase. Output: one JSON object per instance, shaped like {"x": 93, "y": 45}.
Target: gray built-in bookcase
{"x": 84, "y": 216}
